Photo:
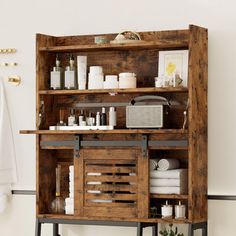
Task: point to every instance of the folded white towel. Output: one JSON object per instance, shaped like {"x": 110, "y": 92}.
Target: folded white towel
{"x": 7, "y": 152}
{"x": 71, "y": 168}
{"x": 168, "y": 164}
{"x": 71, "y": 180}
{"x": 168, "y": 190}
{"x": 169, "y": 174}
{"x": 153, "y": 164}
{"x": 71, "y": 195}
{"x": 69, "y": 210}
{"x": 168, "y": 182}
{"x": 69, "y": 200}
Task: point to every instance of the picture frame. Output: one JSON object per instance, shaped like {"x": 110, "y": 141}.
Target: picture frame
{"x": 175, "y": 61}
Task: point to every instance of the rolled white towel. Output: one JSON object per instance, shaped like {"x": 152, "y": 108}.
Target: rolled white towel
{"x": 169, "y": 174}
{"x": 71, "y": 168}
{"x": 153, "y": 164}
{"x": 168, "y": 164}
{"x": 71, "y": 195}
{"x": 167, "y": 182}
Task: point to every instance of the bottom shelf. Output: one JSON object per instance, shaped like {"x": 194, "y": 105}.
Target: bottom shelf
{"x": 148, "y": 220}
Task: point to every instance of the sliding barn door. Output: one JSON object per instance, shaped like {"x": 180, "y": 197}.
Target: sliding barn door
{"x": 111, "y": 183}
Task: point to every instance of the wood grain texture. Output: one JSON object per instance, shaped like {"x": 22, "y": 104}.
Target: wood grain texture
{"x": 198, "y": 76}
{"x": 169, "y": 196}
{"x": 115, "y": 131}
{"x": 115, "y": 91}
{"x": 103, "y": 189}
{"x": 113, "y": 217}
{"x": 127, "y": 194}
{"x": 105, "y": 47}
{"x": 174, "y": 36}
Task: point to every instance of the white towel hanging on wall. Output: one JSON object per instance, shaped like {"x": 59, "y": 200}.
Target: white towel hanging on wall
{"x": 7, "y": 152}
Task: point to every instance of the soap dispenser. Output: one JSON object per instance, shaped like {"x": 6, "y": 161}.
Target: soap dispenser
{"x": 70, "y": 74}
{"x": 56, "y": 76}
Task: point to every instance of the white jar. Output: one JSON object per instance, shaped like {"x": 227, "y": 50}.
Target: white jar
{"x": 127, "y": 80}
{"x": 95, "y": 77}
{"x": 111, "y": 82}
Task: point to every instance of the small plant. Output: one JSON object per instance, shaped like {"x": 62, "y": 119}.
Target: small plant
{"x": 171, "y": 231}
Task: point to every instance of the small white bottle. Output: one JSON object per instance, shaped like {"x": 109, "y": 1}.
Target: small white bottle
{"x": 112, "y": 116}
{"x": 82, "y": 71}
{"x": 70, "y": 75}
{"x": 81, "y": 118}
{"x": 72, "y": 118}
{"x": 98, "y": 119}
{"x": 56, "y": 78}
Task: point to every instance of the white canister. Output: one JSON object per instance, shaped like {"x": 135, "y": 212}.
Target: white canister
{"x": 95, "y": 77}
{"x": 180, "y": 211}
{"x": 158, "y": 82}
{"x": 167, "y": 211}
{"x": 111, "y": 82}
{"x": 127, "y": 80}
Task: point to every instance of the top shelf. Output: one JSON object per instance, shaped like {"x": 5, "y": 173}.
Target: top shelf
{"x": 133, "y": 46}
{"x": 116, "y": 91}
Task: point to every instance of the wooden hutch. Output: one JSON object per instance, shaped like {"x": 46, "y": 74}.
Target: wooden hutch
{"x": 118, "y": 153}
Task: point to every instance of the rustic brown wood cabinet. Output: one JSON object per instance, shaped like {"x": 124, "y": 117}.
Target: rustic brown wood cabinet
{"x": 120, "y": 152}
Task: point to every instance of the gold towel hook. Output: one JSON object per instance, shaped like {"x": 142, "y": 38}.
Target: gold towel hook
{"x": 16, "y": 80}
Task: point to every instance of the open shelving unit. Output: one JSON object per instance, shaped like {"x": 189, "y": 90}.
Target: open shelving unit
{"x": 123, "y": 151}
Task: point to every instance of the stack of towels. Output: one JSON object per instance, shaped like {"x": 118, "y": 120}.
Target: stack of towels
{"x": 167, "y": 178}
{"x": 69, "y": 202}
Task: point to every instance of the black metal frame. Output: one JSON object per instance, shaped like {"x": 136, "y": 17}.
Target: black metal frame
{"x": 140, "y": 225}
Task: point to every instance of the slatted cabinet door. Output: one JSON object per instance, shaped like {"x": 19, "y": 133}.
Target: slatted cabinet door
{"x": 111, "y": 182}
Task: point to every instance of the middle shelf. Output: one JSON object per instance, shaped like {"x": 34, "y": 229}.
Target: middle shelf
{"x": 115, "y": 91}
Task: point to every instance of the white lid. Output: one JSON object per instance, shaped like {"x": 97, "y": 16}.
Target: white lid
{"x": 95, "y": 69}
{"x": 112, "y": 109}
{"x": 103, "y": 110}
{"x": 113, "y": 77}
{"x": 127, "y": 74}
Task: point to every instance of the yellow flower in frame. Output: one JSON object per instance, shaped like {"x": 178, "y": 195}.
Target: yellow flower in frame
{"x": 170, "y": 68}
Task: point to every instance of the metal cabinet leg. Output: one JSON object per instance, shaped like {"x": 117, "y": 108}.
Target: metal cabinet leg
{"x": 204, "y": 230}
{"x": 139, "y": 229}
{"x": 55, "y": 229}
{"x": 190, "y": 230}
{"x": 37, "y": 228}
{"x": 155, "y": 230}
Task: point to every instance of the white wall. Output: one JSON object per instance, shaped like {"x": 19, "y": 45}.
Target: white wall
{"x": 20, "y": 20}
